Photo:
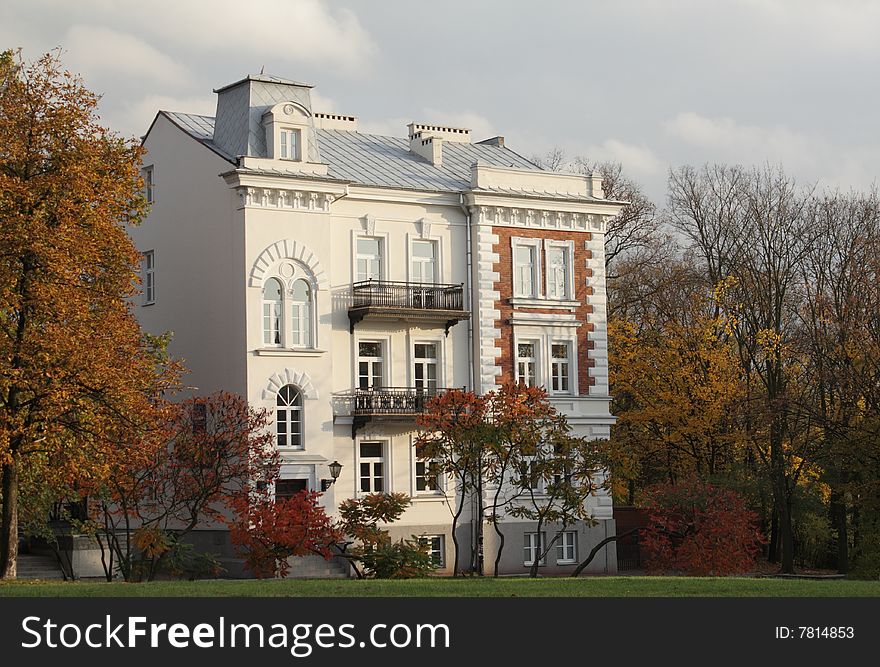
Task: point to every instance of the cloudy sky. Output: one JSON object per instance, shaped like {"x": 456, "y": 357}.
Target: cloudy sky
{"x": 650, "y": 83}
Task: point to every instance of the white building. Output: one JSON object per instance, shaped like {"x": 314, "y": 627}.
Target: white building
{"x": 334, "y": 276}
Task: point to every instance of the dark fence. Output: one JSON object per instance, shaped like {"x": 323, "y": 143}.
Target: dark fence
{"x": 392, "y": 400}
{"x": 415, "y": 296}
{"x": 629, "y": 553}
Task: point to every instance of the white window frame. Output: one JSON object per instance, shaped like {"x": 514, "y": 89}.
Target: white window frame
{"x": 413, "y": 260}
{"x": 441, "y": 484}
{"x": 553, "y": 361}
{"x": 383, "y": 459}
{"x": 149, "y": 277}
{"x": 303, "y": 311}
{"x": 440, "y": 551}
{"x": 383, "y": 359}
{"x": 567, "y": 248}
{"x": 530, "y": 546}
{"x": 535, "y": 360}
{"x": 285, "y": 134}
{"x": 288, "y": 280}
{"x": 383, "y": 257}
{"x": 279, "y": 317}
{"x": 540, "y": 487}
{"x": 438, "y": 360}
{"x": 537, "y": 283}
{"x": 566, "y": 548}
{"x": 296, "y": 409}
{"x": 147, "y": 173}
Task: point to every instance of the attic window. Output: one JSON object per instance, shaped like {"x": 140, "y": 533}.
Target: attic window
{"x": 289, "y": 145}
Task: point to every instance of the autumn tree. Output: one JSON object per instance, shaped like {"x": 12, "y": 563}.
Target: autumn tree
{"x": 372, "y": 552}
{"x": 677, "y": 389}
{"x": 751, "y": 228}
{"x": 214, "y": 452}
{"x": 451, "y": 441}
{"x": 269, "y": 531}
{"x": 699, "y": 529}
{"x": 76, "y": 371}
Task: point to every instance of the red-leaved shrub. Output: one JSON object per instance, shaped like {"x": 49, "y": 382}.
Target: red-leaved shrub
{"x": 699, "y": 529}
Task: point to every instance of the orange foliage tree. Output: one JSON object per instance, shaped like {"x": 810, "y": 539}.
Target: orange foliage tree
{"x": 75, "y": 371}
{"x": 699, "y": 529}
{"x": 214, "y": 455}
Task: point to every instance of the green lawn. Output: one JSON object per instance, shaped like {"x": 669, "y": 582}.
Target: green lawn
{"x": 486, "y": 587}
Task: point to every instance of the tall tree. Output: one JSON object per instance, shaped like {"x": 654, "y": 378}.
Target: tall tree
{"x": 751, "y": 226}
{"x": 74, "y": 367}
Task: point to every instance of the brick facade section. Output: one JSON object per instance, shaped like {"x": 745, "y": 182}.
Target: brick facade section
{"x": 582, "y": 290}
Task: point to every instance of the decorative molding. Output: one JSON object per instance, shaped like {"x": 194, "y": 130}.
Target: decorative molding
{"x": 288, "y": 249}
{"x": 289, "y": 376}
{"x": 424, "y": 228}
{"x": 369, "y": 222}
{"x": 510, "y": 216}
{"x": 307, "y": 201}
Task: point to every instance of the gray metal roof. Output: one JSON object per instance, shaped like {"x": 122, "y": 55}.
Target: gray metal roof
{"x": 375, "y": 160}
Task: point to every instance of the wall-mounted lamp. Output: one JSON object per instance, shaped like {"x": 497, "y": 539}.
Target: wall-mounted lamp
{"x": 335, "y": 470}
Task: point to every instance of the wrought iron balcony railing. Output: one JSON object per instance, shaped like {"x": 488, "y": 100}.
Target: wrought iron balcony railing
{"x": 386, "y": 299}
{"x": 389, "y": 403}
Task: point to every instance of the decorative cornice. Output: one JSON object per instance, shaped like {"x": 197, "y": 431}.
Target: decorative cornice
{"x": 515, "y": 216}
{"x": 290, "y": 199}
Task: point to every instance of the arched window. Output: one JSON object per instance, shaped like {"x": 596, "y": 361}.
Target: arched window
{"x": 272, "y": 312}
{"x": 289, "y": 417}
{"x": 301, "y": 308}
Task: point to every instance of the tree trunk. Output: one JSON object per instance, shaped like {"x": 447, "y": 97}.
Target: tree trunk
{"x": 773, "y": 550}
{"x": 9, "y": 520}
{"x": 838, "y": 523}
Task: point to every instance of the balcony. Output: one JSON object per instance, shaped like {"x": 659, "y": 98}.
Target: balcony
{"x": 393, "y": 404}
{"x": 423, "y": 302}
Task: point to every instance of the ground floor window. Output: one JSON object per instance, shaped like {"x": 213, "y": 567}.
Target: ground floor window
{"x": 288, "y": 488}
{"x": 532, "y": 547}
{"x": 435, "y": 548}
{"x": 372, "y": 467}
{"x": 566, "y": 548}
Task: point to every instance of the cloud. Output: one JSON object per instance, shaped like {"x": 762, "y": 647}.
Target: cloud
{"x": 323, "y": 104}
{"x": 480, "y": 127}
{"x": 638, "y": 161}
{"x": 811, "y": 158}
{"x": 276, "y": 30}
{"x": 99, "y": 51}
{"x": 727, "y": 140}
{"x": 135, "y": 117}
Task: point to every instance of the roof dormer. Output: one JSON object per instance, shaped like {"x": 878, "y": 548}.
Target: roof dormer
{"x": 287, "y": 126}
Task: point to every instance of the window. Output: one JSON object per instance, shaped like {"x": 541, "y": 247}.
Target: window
{"x": 149, "y": 186}
{"x": 288, "y": 488}
{"x": 369, "y": 259}
{"x": 301, "y": 309}
{"x": 526, "y": 363}
{"x": 525, "y": 270}
{"x": 149, "y": 277}
{"x": 558, "y": 272}
{"x": 529, "y": 476}
{"x": 427, "y": 477}
{"x": 559, "y": 368}
{"x": 272, "y": 312}
{"x": 369, "y": 365}
{"x": 290, "y": 145}
{"x": 435, "y": 548}
{"x": 425, "y": 367}
{"x": 566, "y": 548}
{"x": 532, "y": 548}
{"x": 424, "y": 262}
{"x": 289, "y": 417}
{"x": 372, "y": 467}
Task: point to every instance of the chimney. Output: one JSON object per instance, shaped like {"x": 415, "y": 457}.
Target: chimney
{"x": 596, "y": 185}
{"x": 427, "y": 140}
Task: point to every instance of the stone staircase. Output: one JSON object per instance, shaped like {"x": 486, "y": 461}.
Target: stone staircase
{"x": 30, "y": 566}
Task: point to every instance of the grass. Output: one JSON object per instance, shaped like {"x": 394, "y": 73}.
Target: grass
{"x": 436, "y": 587}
